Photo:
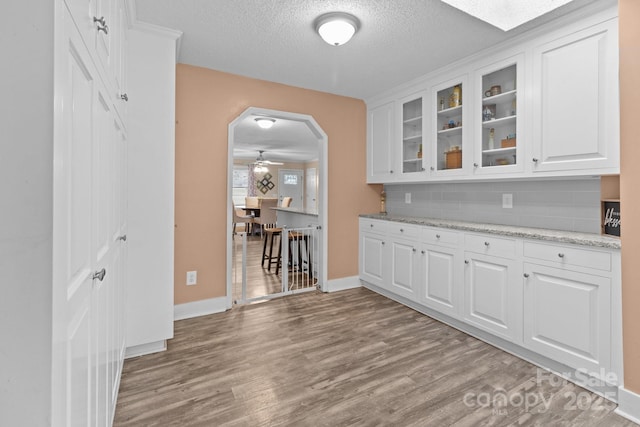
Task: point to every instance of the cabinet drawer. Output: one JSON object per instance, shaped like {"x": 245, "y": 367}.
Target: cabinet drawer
{"x": 408, "y": 231}
{"x": 373, "y": 226}
{"x": 568, "y": 255}
{"x": 438, "y": 236}
{"x": 490, "y": 245}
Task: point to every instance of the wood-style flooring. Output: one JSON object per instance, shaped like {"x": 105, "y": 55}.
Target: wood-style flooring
{"x": 351, "y": 358}
{"x": 260, "y": 280}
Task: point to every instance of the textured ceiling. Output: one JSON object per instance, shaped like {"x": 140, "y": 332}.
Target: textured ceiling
{"x": 274, "y": 40}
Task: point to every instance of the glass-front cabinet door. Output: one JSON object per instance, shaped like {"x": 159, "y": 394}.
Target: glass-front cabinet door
{"x": 497, "y": 145}
{"x": 449, "y": 131}
{"x": 412, "y": 137}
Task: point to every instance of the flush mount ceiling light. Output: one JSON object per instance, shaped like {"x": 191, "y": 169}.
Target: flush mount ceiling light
{"x": 336, "y": 28}
{"x": 265, "y": 123}
{"x": 506, "y": 14}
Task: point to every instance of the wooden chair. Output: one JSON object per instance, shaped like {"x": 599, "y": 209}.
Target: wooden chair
{"x": 286, "y": 202}
{"x": 252, "y": 202}
{"x": 239, "y": 217}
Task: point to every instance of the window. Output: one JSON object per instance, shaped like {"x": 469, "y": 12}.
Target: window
{"x": 240, "y": 184}
{"x": 290, "y": 179}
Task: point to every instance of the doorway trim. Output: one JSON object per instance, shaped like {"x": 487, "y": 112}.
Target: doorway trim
{"x": 323, "y": 168}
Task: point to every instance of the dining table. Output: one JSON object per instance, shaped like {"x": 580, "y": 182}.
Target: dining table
{"x": 254, "y": 212}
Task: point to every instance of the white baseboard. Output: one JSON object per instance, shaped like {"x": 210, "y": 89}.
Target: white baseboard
{"x": 343, "y": 284}
{"x": 628, "y": 405}
{"x": 142, "y": 349}
{"x": 199, "y": 308}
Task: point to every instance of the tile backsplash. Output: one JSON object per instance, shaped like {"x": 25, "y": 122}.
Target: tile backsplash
{"x": 570, "y": 205}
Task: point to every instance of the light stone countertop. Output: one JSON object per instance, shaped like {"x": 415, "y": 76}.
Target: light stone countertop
{"x": 585, "y": 239}
{"x": 296, "y": 211}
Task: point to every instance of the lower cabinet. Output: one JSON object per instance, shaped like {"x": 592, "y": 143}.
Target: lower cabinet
{"x": 560, "y": 301}
{"x": 439, "y": 279}
{"x": 567, "y": 316}
{"x": 493, "y": 295}
{"x": 405, "y": 268}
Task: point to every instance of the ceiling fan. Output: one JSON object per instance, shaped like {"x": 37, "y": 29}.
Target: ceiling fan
{"x": 260, "y": 160}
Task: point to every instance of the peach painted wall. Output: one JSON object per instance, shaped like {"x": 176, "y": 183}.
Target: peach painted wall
{"x": 629, "y": 15}
{"x": 206, "y": 101}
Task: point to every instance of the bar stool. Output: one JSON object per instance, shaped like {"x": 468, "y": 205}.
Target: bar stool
{"x": 299, "y": 238}
{"x": 270, "y": 235}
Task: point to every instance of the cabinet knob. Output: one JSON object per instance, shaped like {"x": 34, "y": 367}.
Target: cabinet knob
{"x": 423, "y": 169}
{"x": 371, "y": 225}
{"x": 535, "y": 160}
{"x": 475, "y": 165}
{"x": 123, "y": 238}
{"x": 466, "y": 261}
{"x": 101, "y": 24}
{"x": 402, "y": 230}
{"x": 486, "y": 243}
{"x": 526, "y": 275}
{"x": 390, "y": 171}
{"x": 383, "y": 243}
{"x": 561, "y": 255}
{"x": 422, "y": 252}
{"x": 414, "y": 249}
{"x": 437, "y": 236}
{"x": 124, "y": 97}
{"x": 99, "y": 275}
{"x": 432, "y": 168}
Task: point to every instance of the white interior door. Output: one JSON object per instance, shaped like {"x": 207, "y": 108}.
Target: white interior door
{"x": 291, "y": 184}
{"x": 311, "y": 190}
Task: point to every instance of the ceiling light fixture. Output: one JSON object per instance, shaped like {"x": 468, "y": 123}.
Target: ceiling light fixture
{"x": 336, "y": 28}
{"x": 265, "y": 123}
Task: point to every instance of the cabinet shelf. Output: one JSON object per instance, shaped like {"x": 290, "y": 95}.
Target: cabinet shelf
{"x": 416, "y": 160}
{"x": 500, "y": 99}
{"x": 413, "y": 120}
{"x": 415, "y": 138}
{"x": 502, "y": 121}
{"x": 451, "y": 112}
{"x": 496, "y": 151}
{"x": 451, "y": 131}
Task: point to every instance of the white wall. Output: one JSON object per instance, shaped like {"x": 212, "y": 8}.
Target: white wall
{"x": 152, "y": 67}
{"x": 26, "y": 172}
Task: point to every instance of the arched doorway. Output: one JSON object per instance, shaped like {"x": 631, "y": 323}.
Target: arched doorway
{"x": 320, "y": 136}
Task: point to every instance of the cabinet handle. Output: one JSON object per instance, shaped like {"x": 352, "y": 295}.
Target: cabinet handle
{"x": 526, "y": 275}
{"x": 437, "y": 236}
{"x": 124, "y": 97}
{"x": 102, "y": 24}
{"x": 535, "y": 160}
{"x": 123, "y": 238}
{"x": 561, "y": 255}
{"x": 99, "y": 275}
{"x": 475, "y": 165}
{"x": 486, "y": 243}
{"x": 466, "y": 261}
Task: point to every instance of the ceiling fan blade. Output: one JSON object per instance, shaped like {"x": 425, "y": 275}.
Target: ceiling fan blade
{"x": 269, "y": 162}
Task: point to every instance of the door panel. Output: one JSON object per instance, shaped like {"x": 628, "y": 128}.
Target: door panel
{"x": 371, "y": 259}
{"x": 291, "y": 184}
{"x": 404, "y": 269}
{"x": 440, "y": 282}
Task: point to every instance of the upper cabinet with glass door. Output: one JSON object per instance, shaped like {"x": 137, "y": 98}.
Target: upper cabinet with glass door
{"x": 447, "y": 158}
{"x": 412, "y": 136}
{"x": 498, "y": 148}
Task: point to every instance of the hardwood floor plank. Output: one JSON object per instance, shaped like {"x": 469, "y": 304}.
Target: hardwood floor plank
{"x": 352, "y": 358}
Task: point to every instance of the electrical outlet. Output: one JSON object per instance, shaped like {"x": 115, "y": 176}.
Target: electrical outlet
{"x": 192, "y": 278}
{"x": 407, "y": 198}
{"x": 507, "y": 201}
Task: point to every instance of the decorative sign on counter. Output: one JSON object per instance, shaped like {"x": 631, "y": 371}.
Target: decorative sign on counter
{"x": 611, "y": 217}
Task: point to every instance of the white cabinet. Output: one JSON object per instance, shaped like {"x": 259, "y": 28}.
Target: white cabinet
{"x": 380, "y": 135}
{"x": 404, "y": 269}
{"x": 499, "y": 137}
{"x": 568, "y": 304}
{"x": 576, "y": 115}
{"x": 372, "y": 254}
{"x": 412, "y": 139}
{"x": 440, "y": 283}
{"x": 451, "y": 128}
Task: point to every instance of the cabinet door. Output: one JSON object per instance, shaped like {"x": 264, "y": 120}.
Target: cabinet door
{"x": 493, "y": 295}
{"x": 576, "y": 103}
{"x": 404, "y": 271}
{"x": 567, "y": 316}
{"x": 380, "y": 140}
{"x": 440, "y": 284}
{"x": 499, "y": 138}
{"x": 411, "y": 140}
{"x": 449, "y": 153}
{"x": 372, "y": 258}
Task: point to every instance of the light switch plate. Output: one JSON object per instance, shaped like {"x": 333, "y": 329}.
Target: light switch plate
{"x": 507, "y": 201}
{"x": 407, "y": 197}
